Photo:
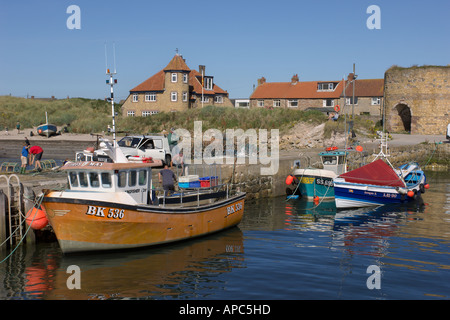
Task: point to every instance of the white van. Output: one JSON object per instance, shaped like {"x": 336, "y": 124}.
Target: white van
{"x": 155, "y": 146}
{"x": 448, "y": 131}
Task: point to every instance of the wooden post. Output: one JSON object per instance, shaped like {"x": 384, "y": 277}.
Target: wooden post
{"x": 3, "y": 209}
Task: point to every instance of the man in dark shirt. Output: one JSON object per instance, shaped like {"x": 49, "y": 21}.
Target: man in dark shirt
{"x": 167, "y": 178}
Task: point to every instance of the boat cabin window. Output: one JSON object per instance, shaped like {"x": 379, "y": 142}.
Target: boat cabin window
{"x": 73, "y": 179}
{"x": 132, "y": 178}
{"x": 122, "y": 179}
{"x": 142, "y": 177}
{"x": 94, "y": 180}
{"x": 83, "y": 179}
{"x": 329, "y": 160}
{"x": 106, "y": 180}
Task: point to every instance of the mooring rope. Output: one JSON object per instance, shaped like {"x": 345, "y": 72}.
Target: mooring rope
{"x": 37, "y": 205}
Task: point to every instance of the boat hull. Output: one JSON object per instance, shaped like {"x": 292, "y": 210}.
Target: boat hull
{"x": 89, "y": 225}
{"x": 352, "y": 195}
{"x": 315, "y": 182}
{"x": 47, "y": 130}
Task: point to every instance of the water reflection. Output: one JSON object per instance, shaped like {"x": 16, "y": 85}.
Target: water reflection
{"x": 173, "y": 271}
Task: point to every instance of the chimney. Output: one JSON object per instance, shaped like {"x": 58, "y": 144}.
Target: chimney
{"x": 202, "y": 69}
{"x": 294, "y": 79}
{"x": 261, "y": 81}
{"x": 350, "y": 77}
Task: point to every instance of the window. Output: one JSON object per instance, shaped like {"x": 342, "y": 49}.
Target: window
{"x": 173, "y": 96}
{"x": 132, "y": 178}
{"x": 148, "y": 113}
{"x": 328, "y": 103}
{"x": 328, "y": 86}
{"x": 174, "y": 77}
{"x": 122, "y": 179}
{"x": 276, "y": 103}
{"x": 205, "y": 99}
{"x": 218, "y": 99}
{"x": 94, "y": 180}
{"x": 185, "y": 96}
{"x": 83, "y": 179}
{"x": 348, "y": 101}
{"x": 260, "y": 103}
{"x": 376, "y": 101}
{"x": 130, "y": 113}
{"x": 135, "y": 97}
{"x": 73, "y": 179}
{"x": 293, "y": 103}
{"x": 208, "y": 83}
{"x": 185, "y": 77}
{"x": 150, "y": 97}
{"x": 106, "y": 180}
{"x": 142, "y": 177}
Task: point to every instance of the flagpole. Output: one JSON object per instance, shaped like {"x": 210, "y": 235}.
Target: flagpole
{"x": 202, "y": 88}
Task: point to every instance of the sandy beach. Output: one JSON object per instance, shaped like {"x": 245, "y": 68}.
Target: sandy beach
{"x": 58, "y": 147}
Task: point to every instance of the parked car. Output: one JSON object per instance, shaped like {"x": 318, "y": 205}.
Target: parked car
{"x": 155, "y": 146}
{"x": 448, "y": 131}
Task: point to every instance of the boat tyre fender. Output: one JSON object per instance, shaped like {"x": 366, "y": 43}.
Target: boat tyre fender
{"x": 422, "y": 188}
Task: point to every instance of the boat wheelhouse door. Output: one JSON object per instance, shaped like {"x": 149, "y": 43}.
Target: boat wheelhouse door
{"x": 135, "y": 182}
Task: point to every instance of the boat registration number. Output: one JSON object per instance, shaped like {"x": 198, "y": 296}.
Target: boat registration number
{"x": 234, "y": 208}
{"x": 104, "y": 213}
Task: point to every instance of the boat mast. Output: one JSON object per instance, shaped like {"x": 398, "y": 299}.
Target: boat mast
{"x": 112, "y": 82}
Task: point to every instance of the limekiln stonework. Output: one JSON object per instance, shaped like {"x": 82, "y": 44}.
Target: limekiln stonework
{"x": 417, "y": 99}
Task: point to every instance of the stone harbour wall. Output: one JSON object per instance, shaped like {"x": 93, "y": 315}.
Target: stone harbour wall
{"x": 417, "y": 99}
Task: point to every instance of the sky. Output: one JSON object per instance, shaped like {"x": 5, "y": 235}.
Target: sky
{"x": 237, "y": 41}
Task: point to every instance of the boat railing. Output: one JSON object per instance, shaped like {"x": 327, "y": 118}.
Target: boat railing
{"x": 181, "y": 193}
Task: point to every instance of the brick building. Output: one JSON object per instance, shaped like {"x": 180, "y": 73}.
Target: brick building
{"x": 174, "y": 88}
{"x": 304, "y": 95}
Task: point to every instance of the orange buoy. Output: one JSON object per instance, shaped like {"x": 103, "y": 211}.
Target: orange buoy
{"x": 359, "y": 148}
{"x": 37, "y": 218}
{"x": 316, "y": 199}
{"x": 427, "y": 186}
{"x": 410, "y": 193}
{"x": 289, "y": 179}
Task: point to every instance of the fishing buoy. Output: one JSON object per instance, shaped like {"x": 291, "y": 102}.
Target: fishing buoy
{"x": 289, "y": 179}
{"x": 316, "y": 199}
{"x": 37, "y": 218}
{"x": 410, "y": 193}
{"x": 426, "y": 186}
{"x": 359, "y": 148}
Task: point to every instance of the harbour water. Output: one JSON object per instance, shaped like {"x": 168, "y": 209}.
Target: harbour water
{"x": 282, "y": 250}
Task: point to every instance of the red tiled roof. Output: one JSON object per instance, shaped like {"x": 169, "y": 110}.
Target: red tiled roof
{"x": 154, "y": 83}
{"x": 299, "y": 90}
{"x": 195, "y": 80}
{"x": 308, "y": 90}
{"x": 366, "y": 88}
{"x": 177, "y": 64}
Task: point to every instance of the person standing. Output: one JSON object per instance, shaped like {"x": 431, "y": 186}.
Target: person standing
{"x": 37, "y": 152}
{"x": 167, "y": 178}
{"x": 24, "y": 159}
{"x": 178, "y": 161}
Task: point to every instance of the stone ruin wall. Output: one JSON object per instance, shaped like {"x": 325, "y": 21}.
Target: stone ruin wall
{"x": 424, "y": 92}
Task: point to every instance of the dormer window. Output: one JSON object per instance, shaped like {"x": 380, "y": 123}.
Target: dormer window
{"x": 208, "y": 83}
{"x": 326, "y": 86}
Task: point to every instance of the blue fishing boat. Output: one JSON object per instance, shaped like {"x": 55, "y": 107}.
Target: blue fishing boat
{"x": 377, "y": 183}
{"x": 314, "y": 182}
{"x": 47, "y": 129}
